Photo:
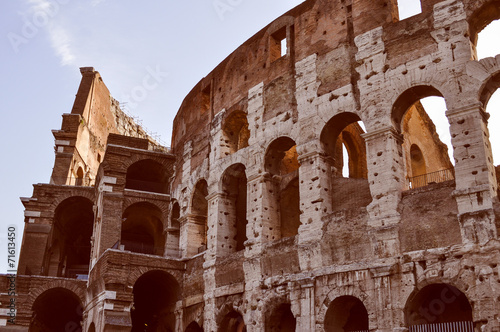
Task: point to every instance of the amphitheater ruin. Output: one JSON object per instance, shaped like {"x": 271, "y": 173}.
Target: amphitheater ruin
{"x": 248, "y": 223}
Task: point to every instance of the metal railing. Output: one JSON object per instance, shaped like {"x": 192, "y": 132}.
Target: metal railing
{"x": 444, "y": 327}
{"x": 429, "y": 178}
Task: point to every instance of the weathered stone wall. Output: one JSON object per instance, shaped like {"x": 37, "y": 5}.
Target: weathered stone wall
{"x": 257, "y": 225}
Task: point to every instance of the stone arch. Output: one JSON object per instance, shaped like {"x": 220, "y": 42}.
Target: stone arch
{"x": 57, "y": 309}
{"x": 481, "y": 17}
{"x": 346, "y": 313}
{"x": 91, "y": 327}
{"x": 343, "y": 129}
{"x": 155, "y": 295}
{"x": 87, "y": 193}
{"x": 280, "y": 318}
{"x": 147, "y": 175}
{"x": 67, "y": 284}
{"x": 235, "y": 131}
{"x": 491, "y": 83}
{"x": 232, "y": 322}
{"x": 142, "y": 229}
{"x": 70, "y": 238}
{"x": 233, "y": 185}
{"x": 335, "y": 293}
{"x": 197, "y": 219}
{"x": 438, "y": 303}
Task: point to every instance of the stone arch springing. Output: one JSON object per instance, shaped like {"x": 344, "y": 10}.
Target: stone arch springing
{"x": 142, "y": 229}
{"x": 57, "y": 309}
{"x": 147, "y": 175}
{"x": 234, "y": 188}
{"x": 281, "y": 319}
{"x": 411, "y": 120}
{"x": 69, "y": 252}
{"x": 281, "y": 163}
{"x": 346, "y": 313}
{"x": 155, "y": 294}
{"x": 235, "y": 132}
{"x": 233, "y": 322}
{"x": 441, "y": 305}
{"x": 481, "y": 19}
{"x": 194, "y": 327}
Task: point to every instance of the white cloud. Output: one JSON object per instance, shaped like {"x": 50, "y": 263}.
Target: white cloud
{"x": 44, "y": 15}
{"x": 96, "y": 2}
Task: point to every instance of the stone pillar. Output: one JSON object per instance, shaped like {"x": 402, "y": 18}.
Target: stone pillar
{"x": 192, "y": 234}
{"x": 315, "y": 202}
{"x": 172, "y": 248}
{"x": 476, "y": 185}
{"x": 306, "y": 321}
{"x": 219, "y": 230}
{"x": 210, "y": 310}
{"x": 263, "y": 216}
{"x": 386, "y": 178}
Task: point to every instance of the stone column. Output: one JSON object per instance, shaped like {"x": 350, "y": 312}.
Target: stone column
{"x": 315, "y": 202}
{"x": 192, "y": 234}
{"x": 476, "y": 185}
{"x": 307, "y": 319}
{"x": 219, "y": 230}
{"x": 386, "y": 178}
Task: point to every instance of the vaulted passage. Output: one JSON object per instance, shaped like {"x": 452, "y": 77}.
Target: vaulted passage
{"x": 236, "y": 132}
{"x": 233, "y": 322}
{"x": 282, "y": 319}
{"x": 147, "y": 175}
{"x": 57, "y": 309}
{"x": 281, "y": 162}
{"x": 346, "y": 313}
{"x": 69, "y": 252}
{"x": 234, "y": 187}
{"x": 442, "y": 306}
{"x": 142, "y": 230}
{"x": 194, "y": 327}
{"x": 198, "y": 220}
{"x": 155, "y": 295}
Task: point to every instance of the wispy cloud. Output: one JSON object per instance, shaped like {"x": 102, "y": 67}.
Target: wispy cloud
{"x": 60, "y": 38}
{"x": 96, "y": 2}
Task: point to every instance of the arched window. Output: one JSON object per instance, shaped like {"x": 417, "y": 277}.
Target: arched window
{"x": 281, "y": 162}
{"x": 142, "y": 230}
{"x": 91, "y": 328}
{"x": 79, "y": 177}
{"x": 345, "y": 314}
{"x": 234, "y": 187}
{"x": 155, "y": 295}
{"x": 69, "y": 253}
{"x": 439, "y": 307}
{"x": 484, "y": 25}
{"x": 194, "y": 327}
{"x": 147, "y": 175}
{"x": 420, "y": 136}
{"x": 236, "y": 132}
{"x": 173, "y": 235}
{"x": 57, "y": 309}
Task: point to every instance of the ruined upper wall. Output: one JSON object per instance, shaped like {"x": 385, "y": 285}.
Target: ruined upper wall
{"x": 337, "y": 32}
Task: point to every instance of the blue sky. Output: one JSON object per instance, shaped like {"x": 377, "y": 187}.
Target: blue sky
{"x": 44, "y": 42}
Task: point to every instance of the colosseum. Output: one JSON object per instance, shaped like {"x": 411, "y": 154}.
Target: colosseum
{"x": 249, "y": 221}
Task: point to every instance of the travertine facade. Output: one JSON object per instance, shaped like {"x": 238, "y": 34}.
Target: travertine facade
{"x": 247, "y": 223}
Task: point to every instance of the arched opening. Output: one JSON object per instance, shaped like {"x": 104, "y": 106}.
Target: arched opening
{"x": 345, "y": 130}
{"x": 91, "y": 328}
{"x": 56, "y": 309}
{"x": 194, "y": 327}
{"x": 173, "y": 235}
{"x": 234, "y": 187}
{"x": 69, "y": 252}
{"x": 236, "y": 132}
{"x": 155, "y": 295}
{"x": 282, "y": 319}
{"x": 79, "y": 177}
{"x": 441, "y": 306}
{"x": 346, "y": 313}
{"x": 281, "y": 162}
{"x": 233, "y": 322}
{"x": 342, "y": 142}
{"x": 147, "y": 175}
{"x": 142, "y": 230}
{"x": 484, "y": 25}
{"x": 490, "y": 97}
{"x": 199, "y": 211}
{"x": 423, "y": 134}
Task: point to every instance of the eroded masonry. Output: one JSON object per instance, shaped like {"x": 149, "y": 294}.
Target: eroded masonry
{"x": 248, "y": 222}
